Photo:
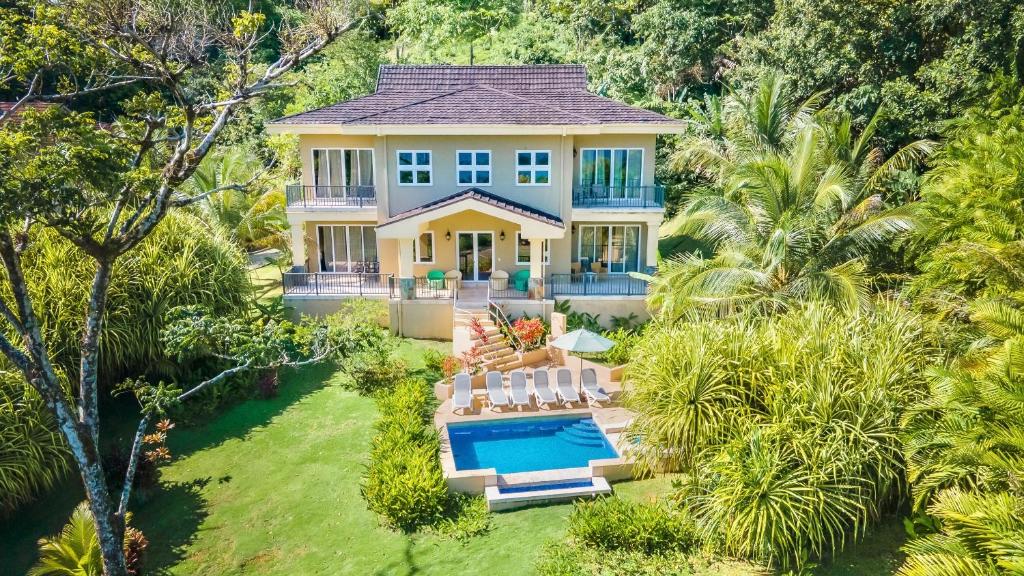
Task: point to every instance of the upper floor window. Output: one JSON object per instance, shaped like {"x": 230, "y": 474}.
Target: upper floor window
{"x": 618, "y": 168}
{"x": 415, "y": 168}
{"x": 338, "y": 171}
{"x": 473, "y": 167}
{"x": 523, "y": 250}
{"x": 533, "y": 167}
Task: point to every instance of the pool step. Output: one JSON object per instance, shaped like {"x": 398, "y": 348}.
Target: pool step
{"x": 511, "y": 496}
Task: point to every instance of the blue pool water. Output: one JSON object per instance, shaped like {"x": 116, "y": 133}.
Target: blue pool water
{"x": 552, "y": 486}
{"x": 528, "y": 444}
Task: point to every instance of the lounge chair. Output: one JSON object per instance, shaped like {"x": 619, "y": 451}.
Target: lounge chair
{"x": 517, "y": 389}
{"x": 563, "y": 383}
{"x": 462, "y": 397}
{"x": 591, "y": 389}
{"x": 496, "y": 389}
{"x": 542, "y": 389}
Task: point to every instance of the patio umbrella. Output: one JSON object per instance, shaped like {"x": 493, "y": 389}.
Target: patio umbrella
{"x": 583, "y": 340}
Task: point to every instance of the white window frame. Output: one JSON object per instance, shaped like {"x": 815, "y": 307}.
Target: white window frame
{"x": 414, "y": 167}
{"x": 547, "y": 251}
{"x": 348, "y": 246}
{"x": 474, "y": 168}
{"x": 611, "y": 176}
{"x": 532, "y": 168}
{"x": 608, "y": 253}
{"x": 416, "y": 249}
{"x": 325, "y": 150}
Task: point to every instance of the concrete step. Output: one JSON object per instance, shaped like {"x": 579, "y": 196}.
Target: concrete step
{"x": 499, "y": 354}
{"x": 491, "y": 333}
{"x": 508, "y": 497}
{"x": 495, "y": 345}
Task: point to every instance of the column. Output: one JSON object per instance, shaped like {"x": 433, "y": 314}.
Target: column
{"x": 536, "y": 282}
{"x": 651, "y": 258}
{"x": 406, "y": 281}
{"x": 299, "y": 244}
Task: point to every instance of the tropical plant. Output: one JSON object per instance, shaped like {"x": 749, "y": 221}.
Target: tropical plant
{"x": 32, "y": 455}
{"x": 786, "y": 426}
{"x": 795, "y": 210}
{"x": 615, "y": 524}
{"x": 529, "y": 331}
{"x": 76, "y": 550}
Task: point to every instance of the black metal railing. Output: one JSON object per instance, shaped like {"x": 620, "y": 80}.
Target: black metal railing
{"x": 330, "y": 196}
{"x": 601, "y": 195}
{"x": 505, "y": 289}
{"x": 440, "y": 288}
{"x": 338, "y": 283}
{"x": 596, "y": 285}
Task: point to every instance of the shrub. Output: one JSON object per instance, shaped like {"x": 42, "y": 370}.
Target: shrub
{"x": 76, "y": 550}
{"x": 374, "y": 365}
{"x": 530, "y": 332}
{"x": 616, "y": 524}
{"x": 574, "y": 559}
{"x": 33, "y": 456}
{"x": 403, "y": 482}
{"x": 625, "y": 342}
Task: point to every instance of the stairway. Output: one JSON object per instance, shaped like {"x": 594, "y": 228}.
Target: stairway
{"x": 509, "y": 496}
{"x": 497, "y": 353}
{"x": 582, "y": 433}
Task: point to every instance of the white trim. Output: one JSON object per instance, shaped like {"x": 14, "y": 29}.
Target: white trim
{"x": 547, "y": 251}
{"x": 348, "y": 246}
{"x": 416, "y": 249}
{"x": 476, "y": 253}
{"x": 533, "y": 167}
{"x": 474, "y": 168}
{"x": 608, "y": 253}
{"x": 312, "y": 164}
{"x": 414, "y": 167}
{"x": 643, "y": 153}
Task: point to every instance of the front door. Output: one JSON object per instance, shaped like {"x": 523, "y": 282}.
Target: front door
{"x": 475, "y": 255}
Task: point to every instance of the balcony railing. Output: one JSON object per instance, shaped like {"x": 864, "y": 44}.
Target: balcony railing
{"x": 604, "y": 196}
{"x": 338, "y": 283}
{"x": 596, "y": 285}
{"x": 330, "y": 196}
{"x": 440, "y": 288}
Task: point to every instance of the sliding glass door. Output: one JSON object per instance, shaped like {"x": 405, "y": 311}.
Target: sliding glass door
{"x": 615, "y": 248}
{"x": 340, "y": 173}
{"x": 612, "y": 172}
{"x": 347, "y": 248}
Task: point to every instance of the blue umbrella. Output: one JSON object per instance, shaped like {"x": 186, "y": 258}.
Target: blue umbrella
{"x": 582, "y": 340}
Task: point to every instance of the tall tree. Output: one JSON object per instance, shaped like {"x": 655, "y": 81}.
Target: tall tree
{"x": 182, "y": 69}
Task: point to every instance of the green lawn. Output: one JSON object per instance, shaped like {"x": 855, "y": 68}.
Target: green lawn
{"x": 272, "y": 487}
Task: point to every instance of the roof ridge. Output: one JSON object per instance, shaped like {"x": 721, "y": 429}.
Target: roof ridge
{"x": 544, "y": 104}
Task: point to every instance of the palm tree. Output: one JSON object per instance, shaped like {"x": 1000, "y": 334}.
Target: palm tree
{"x": 73, "y": 552}
{"x": 795, "y": 211}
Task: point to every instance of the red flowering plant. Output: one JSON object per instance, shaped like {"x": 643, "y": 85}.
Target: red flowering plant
{"x": 472, "y": 359}
{"x": 449, "y": 366}
{"x": 477, "y": 328}
{"x": 529, "y": 331}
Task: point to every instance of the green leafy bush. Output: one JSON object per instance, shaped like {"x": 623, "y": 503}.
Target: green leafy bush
{"x": 403, "y": 482}
{"x": 625, "y": 342}
{"x": 617, "y": 524}
{"x": 32, "y": 454}
{"x": 75, "y": 551}
{"x": 574, "y": 559}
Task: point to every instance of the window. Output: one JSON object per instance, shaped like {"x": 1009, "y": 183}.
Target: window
{"x": 533, "y": 167}
{"x": 523, "y": 250}
{"x": 341, "y": 172}
{"x": 414, "y": 168}
{"x": 616, "y": 248}
{"x": 425, "y": 248}
{"x": 347, "y": 248}
{"x": 615, "y": 170}
{"x": 473, "y": 167}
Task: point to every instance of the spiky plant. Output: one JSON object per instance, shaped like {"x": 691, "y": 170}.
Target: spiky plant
{"x": 32, "y": 455}
{"x": 73, "y": 552}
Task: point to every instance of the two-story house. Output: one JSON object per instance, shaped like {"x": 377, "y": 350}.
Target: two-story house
{"x": 473, "y": 183}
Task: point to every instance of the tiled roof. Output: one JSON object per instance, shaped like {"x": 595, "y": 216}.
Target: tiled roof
{"x": 510, "y": 95}
{"x": 478, "y": 194}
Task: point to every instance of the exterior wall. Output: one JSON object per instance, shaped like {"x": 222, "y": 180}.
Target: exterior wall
{"x": 608, "y": 306}
{"x": 315, "y": 306}
{"x": 503, "y": 170}
{"x": 424, "y": 319}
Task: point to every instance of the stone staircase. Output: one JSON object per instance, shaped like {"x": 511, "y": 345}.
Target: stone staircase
{"x": 498, "y": 354}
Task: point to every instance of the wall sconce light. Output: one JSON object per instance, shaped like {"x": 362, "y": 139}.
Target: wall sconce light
{"x": 501, "y": 236}
{"x": 448, "y": 235}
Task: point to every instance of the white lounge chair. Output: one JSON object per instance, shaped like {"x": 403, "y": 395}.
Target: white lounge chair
{"x": 542, "y": 389}
{"x": 517, "y": 389}
{"x": 563, "y": 383}
{"x": 462, "y": 396}
{"x": 496, "y": 389}
{"x": 590, "y": 387}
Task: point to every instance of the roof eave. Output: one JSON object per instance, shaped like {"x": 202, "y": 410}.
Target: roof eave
{"x": 476, "y": 129}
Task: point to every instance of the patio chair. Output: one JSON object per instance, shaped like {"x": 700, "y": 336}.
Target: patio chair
{"x": 542, "y": 389}
{"x": 496, "y": 389}
{"x": 521, "y": 280}
{"x": 499, "y": 280}
{"x": 453, "y": 278}
{"x": 435, "y": 279}
{"x": 563, "y": 384}
{"x": 590, "y": 388}
{"x": 462, "y": 396}
{"x": 517, "y": 389}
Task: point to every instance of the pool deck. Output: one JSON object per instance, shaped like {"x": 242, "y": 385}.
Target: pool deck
{"x": 610, "y": 417}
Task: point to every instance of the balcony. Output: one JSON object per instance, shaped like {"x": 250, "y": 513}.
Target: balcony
{"x": 338, "y": 284}
{"x": 604, "y": 196}
{"x": 590, "y": 284}
{"x": 331, "y": 197}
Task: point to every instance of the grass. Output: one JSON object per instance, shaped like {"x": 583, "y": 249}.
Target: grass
{"x": 272, "y": 487}
{"x": 266, "y": 281}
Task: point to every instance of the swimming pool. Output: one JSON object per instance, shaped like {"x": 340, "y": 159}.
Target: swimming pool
{"x": 528, "y": 444}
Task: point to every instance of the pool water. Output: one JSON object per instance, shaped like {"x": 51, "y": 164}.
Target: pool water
{"x": 528, "y": 444}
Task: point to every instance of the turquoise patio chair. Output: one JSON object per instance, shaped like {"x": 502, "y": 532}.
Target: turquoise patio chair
{"x": 435, "y": 279}
{"x": 521, "y": 280}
